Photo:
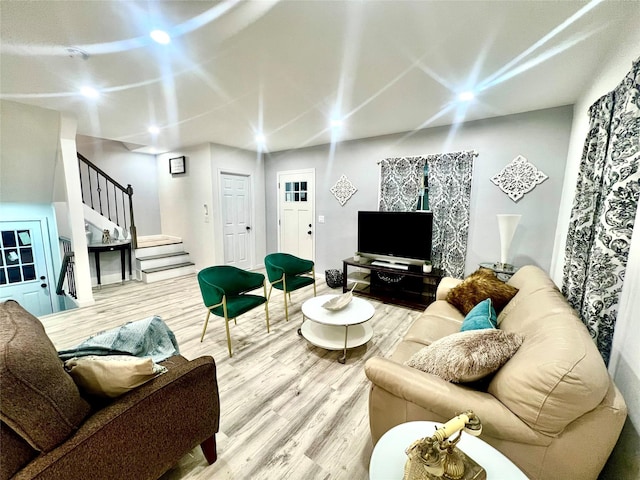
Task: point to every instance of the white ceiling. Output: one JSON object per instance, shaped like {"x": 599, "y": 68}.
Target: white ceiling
{"x": 286, "y": 67}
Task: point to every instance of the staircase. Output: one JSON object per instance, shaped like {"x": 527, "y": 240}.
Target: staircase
{"x": 159, "y": 257}
{"x": 109, "y": 205}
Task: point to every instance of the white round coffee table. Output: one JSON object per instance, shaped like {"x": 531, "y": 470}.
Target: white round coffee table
{"x": 388, "y": 457}
{"x": 336, "y": 329}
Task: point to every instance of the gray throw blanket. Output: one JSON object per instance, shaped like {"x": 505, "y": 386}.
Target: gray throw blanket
{"x": 150, "y": 337}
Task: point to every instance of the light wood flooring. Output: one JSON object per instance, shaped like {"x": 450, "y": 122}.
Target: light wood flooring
{"x": 289, "y": 410}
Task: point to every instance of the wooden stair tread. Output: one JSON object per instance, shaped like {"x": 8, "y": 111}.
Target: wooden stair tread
{"x": 158, "y": 243}
{"x": 162, "y": 255}
{"x": 168, "y": 267}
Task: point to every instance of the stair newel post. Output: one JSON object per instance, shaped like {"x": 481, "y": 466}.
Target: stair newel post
{"x": 134, "y": 235}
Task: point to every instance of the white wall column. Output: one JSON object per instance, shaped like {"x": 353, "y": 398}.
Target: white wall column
{"x": 69, "y": 158}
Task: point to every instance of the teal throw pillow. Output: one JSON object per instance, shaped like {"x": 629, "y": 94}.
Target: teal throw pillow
{"x": 482, "y": 316}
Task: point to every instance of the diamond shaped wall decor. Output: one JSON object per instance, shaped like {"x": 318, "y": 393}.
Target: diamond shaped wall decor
{"x": 343, "y": 190}
{"x": 518, "y": 177}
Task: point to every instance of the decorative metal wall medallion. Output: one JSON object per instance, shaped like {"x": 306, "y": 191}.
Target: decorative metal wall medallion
{"x": 519, "y": 177}
{"x": 343, "y": 190}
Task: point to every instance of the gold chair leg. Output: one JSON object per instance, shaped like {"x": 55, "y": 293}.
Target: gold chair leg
{"x": 266, "y": 305}
{"x": 206, "y": 322}
{"x": 284, "y": 290}
{"x": 286, "y": 309}
{"x": 313, "y": 272}
{"x": 226, "y": 324}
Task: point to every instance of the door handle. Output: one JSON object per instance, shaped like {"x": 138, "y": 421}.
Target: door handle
{"x": 248, "y": 228}
{"x": 309, "y": 232}
{"x": 43, "y": 285}
{"x": 42, "y": 277}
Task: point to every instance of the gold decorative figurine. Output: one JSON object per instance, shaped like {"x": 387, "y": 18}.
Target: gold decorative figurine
{"x": 437, "y": 457}
{"x": 106, "y": 236}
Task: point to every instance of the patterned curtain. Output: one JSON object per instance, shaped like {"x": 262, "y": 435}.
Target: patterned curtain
{"x": 449, "y": 198}
{"x": 604, "y": 209}
{"x": 401, "y": 183}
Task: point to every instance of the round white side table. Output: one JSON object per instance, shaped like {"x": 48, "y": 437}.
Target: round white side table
{"x": 388, "y": 457}
{"x": 336, "y": 329}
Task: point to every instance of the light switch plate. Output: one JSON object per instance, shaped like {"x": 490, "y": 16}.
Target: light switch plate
{"x": 320, "y": 218}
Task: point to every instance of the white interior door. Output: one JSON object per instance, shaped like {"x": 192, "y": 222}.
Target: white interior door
{"x": 23, "y": 267}
{"x": 236, "y": 220}
{"x": 296, "y": 196}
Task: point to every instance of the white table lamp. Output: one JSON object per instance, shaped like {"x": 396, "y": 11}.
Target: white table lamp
{"x": 507, "y": 225}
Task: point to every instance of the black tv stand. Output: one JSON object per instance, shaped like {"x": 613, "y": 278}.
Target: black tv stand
{"x": 410, "y": 288}
{"x": 395, "y": 266}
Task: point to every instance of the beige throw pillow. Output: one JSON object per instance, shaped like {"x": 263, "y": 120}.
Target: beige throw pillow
{"x": 467, "y": 356}
{"x": 111, "y": 375}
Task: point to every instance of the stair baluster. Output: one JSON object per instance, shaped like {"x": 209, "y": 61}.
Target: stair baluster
{"x": 126, "y": 193}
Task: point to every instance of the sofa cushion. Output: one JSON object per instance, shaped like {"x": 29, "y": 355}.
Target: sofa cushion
{"x": 39, "y": 400}
{"x": 527, "y": 280}
{"x": 478, "y": 286}
{"x": 558, "y": 374}
{"x": 482, "y": 316}
{"x": 16, "y": 452}
{"x": 439, "y": 320}
{"x": 111, "y": 375}
{"x": 467, "y": 356}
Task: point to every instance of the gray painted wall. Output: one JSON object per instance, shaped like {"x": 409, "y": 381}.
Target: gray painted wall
{"x": 541, "y": 136}
{"x": 183, "y": 197}
{"x": 127, "y": 167}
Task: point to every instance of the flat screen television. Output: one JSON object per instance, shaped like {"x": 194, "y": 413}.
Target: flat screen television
{"x": 396, "y": 237}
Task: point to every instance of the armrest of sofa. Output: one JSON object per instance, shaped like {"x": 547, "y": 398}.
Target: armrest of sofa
{"x": 445, "y": 285}
{"x": 447, "y": 399}
{"x": 142, "y": 433}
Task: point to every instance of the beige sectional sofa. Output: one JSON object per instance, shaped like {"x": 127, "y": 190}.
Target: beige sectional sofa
{"x": 552, "y": 408}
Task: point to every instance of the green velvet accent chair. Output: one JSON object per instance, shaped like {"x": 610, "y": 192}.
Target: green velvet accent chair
{"x": 224, "y": 292}
{"x": 288, "y": 273}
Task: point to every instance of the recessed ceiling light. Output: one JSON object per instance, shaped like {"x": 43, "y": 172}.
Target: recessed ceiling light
{"x": 74, "y": 52}
{"x": 260, "y": 138}
{"x": 160, "y": 36}
{"x": 337, "y": 123}
{"x": 153, "y": 130}
{"x": 466, "y": 96}
{"x": 89, "y": 92}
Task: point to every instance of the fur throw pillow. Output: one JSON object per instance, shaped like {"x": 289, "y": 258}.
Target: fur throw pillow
{"x": 467, "y": 356}
{"x": 479, "y": 286}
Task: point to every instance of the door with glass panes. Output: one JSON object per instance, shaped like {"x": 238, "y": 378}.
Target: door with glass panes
{"x": 296, "y": 195}
{"x": 23, "y": 268}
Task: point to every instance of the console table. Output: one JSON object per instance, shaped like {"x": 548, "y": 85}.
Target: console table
{"x": 410, "y": 288}
{"x": 123, "y": 246}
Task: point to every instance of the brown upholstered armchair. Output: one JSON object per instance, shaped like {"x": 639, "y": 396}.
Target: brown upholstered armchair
{"x": 49, "y": 431}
